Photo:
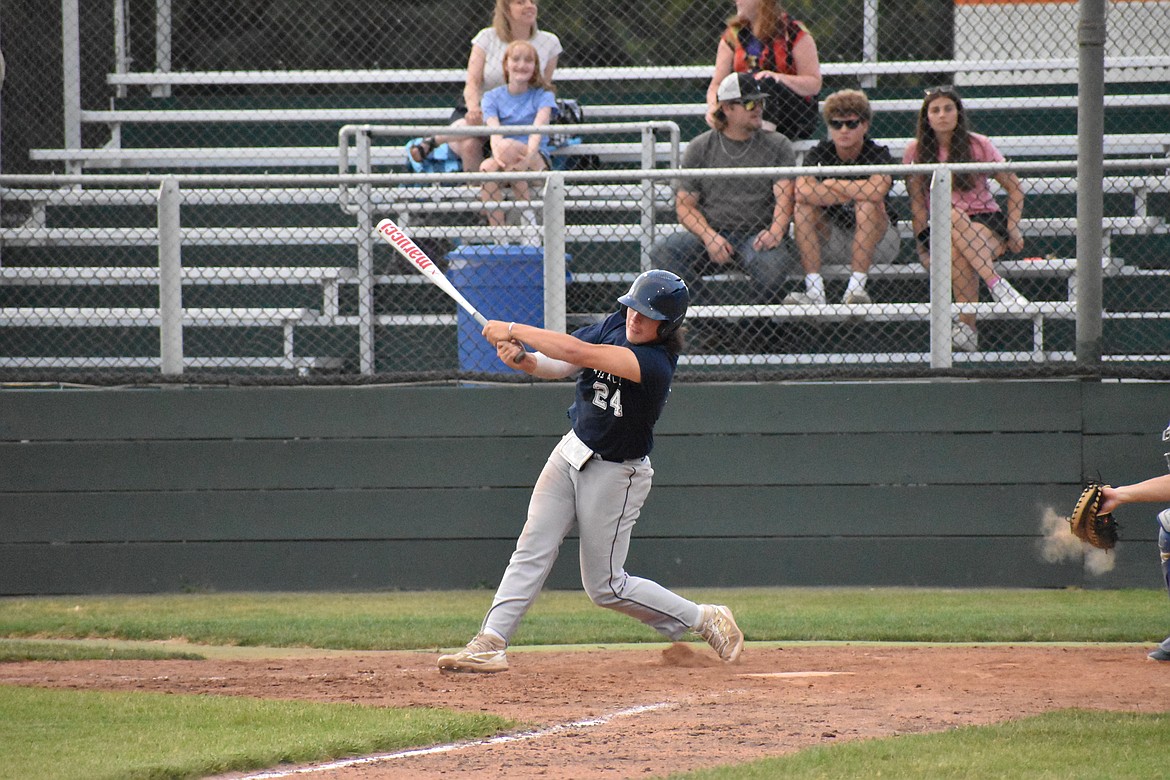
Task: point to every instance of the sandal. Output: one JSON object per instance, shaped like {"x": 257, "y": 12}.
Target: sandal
{"x": 422, "y": 150}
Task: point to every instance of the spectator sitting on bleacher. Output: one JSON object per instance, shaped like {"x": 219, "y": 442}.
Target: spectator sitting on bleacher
{"x": 733, "y": 220}
{"x": 524, "y": 100}
{"x": 980, "y": 231}
{"x": 513, "y": 20}
{"x": 844, "y": 219}
{"x": 779, "y": 52}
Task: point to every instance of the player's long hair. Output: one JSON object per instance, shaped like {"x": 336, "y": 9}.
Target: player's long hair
{"x": 502, "y": 23}
{"x": 959, "y": 149}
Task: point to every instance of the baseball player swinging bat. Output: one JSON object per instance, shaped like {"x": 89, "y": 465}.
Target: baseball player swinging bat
{"x": 421, "y": 261}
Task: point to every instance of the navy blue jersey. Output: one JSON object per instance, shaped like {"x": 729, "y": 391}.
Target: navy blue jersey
{"x": 616, "y": 416}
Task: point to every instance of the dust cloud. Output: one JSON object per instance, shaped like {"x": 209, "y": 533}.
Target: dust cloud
{"x": 681, "y": 654}
{"x": 1058, "y": 545}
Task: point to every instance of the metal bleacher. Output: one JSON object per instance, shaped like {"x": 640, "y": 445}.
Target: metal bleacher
{"x": 43, "y": 286}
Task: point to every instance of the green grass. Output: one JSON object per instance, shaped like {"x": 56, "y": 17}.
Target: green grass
{"x": 66, "y": 734}
{"x": 429, "y": 620}
{"x": 19, "y": 650}
{"x": 51, "y": 734}
{"x": 1062, "y": 745}
{"x": 937, "y": 615}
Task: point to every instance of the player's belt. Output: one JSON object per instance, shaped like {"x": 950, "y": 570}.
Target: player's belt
{"x": 628, "y": 461}
{"x": 578, "y": 454}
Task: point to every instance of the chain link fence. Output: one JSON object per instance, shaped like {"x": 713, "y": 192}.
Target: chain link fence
{"x": 192, "y": 188}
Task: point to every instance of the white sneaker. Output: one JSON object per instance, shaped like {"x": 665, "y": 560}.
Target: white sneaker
{"x": 802, "y": 299}
{"x": 1003, "y": 292}
{"x": 858, "y": 296}
{"x": 719, "y": 629}
{"x": 964, "y": 338}
{"x": 532, "y": 232}
{"x": 485, "y": 653}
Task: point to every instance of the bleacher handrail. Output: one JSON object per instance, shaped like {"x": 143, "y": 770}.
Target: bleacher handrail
{"x": 572, "y": 74}
{"x": 604, "y": 111}
{"x": 1154, "y": 145}
{"x": 362, "y": 133}
{"x": 54, "y": 181}
{"x": 346, "y": 132}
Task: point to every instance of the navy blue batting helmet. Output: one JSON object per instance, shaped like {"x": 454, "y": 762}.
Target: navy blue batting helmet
{"x": 659, "y": 295}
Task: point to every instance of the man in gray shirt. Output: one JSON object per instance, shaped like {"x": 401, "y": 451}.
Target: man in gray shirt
{"x": 733, "y": 221}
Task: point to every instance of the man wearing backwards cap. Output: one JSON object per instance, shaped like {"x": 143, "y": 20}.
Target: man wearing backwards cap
{"x": 733, "y": 221}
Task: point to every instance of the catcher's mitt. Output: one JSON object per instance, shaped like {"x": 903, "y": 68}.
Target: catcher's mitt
{"x": 1090, "y": 527}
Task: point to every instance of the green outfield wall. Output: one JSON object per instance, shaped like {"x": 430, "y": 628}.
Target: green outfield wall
{"x": 940, "y": 483}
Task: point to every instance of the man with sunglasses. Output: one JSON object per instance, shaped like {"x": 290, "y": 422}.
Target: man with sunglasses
{"x": 733, "y": 221}
{"x": 1156, "y": 489}
{"x": 844, "y": 220}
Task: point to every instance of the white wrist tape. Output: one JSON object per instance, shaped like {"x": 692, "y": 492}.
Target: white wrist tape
{"x": 551, "y": 368}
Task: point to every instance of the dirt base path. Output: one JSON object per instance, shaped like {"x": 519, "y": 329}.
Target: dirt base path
{"x": 656, "y": 710}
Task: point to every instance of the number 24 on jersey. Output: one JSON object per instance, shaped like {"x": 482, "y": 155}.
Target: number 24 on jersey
{"x": 606, "y": 398}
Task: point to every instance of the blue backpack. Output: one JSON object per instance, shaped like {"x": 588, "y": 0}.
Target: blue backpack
{"x": 440, "y": 160}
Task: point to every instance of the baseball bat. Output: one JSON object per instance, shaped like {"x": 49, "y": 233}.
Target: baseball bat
{"x": 420, "y": 260}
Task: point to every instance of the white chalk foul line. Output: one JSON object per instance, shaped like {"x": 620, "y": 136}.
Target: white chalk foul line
{"x": 437, "y": 749}
{"x": 793, "y": 674}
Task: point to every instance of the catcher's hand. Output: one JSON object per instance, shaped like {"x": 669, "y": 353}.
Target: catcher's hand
{"x": 1090, "y": 527}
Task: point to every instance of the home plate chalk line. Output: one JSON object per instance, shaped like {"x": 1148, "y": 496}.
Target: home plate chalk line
{"x": 792, "y": 674}
{"x": 454, "y": 746}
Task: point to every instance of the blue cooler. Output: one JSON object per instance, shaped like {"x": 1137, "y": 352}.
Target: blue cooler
{"x": 503, "y": 283}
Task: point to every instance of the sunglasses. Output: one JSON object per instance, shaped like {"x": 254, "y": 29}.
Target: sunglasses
{"x": 838, "y": 124}
{"x": 943, "y": 90}
{"x": 749, "y": 105}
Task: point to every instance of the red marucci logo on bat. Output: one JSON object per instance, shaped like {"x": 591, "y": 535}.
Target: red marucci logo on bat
{"x": 406, "y": 246}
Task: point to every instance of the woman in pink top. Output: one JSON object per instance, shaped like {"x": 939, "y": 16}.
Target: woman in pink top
{"x": 980, "y": 231}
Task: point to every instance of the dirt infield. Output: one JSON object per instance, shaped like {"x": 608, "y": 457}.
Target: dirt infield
{"x": 642, "y": 712}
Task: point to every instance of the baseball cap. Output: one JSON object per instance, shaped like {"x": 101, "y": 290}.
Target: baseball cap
{"x": 738, "y": 86}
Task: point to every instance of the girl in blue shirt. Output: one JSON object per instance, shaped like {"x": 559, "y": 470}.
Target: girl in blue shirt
{"x": 525, "y": 99}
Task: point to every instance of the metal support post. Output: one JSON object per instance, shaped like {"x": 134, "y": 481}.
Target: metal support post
{"x": 1090, "y": 170}
{"x": 365, "y": 257}
{"x": 121, "y": 44}
{"x": 163, "y": 34}
{"x": 646, "y": 238}
{"x": 940, "y": 269}
{"x": 170, "y": 278}
{"x": 71, "y": 71}
{"x": 869, "y": 40}
{"x": 554, "y": 252}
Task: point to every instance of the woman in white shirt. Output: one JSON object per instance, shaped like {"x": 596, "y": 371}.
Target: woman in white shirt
{"x": 513, "y": 20}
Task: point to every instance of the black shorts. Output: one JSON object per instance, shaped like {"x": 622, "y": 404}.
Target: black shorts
{"x": 459, "y": 113}
{"x": 460, "y": 110}
{"x": 996, "y": 220}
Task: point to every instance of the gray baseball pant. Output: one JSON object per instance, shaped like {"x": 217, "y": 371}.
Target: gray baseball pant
{"x": 603, "y": 500}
